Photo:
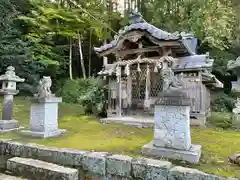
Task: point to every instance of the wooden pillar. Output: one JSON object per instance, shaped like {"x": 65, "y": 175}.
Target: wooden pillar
{"x": 105, "y": 60}
{"x": 129, "y": 86}
{"x": 147, "y": 88}
{"x": 119, "y": 91}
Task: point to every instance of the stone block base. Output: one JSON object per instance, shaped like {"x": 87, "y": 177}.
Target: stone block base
{"x": 43, "y": 134}
{"x": 8, "y": 125}
{"x": 198, "y": 123}
{"x": 8, "y": 177}
{"x": 137, "y": 121}
{"x": 40, "y": 170}
{"x": 192, "y": 156}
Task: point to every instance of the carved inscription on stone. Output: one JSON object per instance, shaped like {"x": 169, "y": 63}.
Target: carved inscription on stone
{"x": 172, "y": 127}
{"x": 37, "y": 117}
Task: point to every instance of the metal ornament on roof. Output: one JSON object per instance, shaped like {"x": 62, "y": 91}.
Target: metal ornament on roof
{"x": 136, "y": 17}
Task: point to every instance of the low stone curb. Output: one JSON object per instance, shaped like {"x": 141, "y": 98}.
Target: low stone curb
{"x": 8, "y": 177}
{"x": 103, "y": 165}
{"x": 40, "y": 170}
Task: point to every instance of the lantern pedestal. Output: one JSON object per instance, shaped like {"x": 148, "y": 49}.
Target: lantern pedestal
{"x": 9, "y": 80}
{"x": 8, "y": 125}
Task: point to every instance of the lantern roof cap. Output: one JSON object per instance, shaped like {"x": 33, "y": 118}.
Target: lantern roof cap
{"x": 10, "y": 75}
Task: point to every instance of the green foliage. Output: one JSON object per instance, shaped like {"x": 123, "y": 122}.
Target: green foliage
{"x": 223, "y": 103}
{"x": 221, "y": 59}
{"x": 50, "y": 22}
{"x": 234, "y": 94}
{"x": 15, "y": 51}
{"x": 89, "y": 93}
{"x": 212, "y": 21}
{"x": 220, "y": 120}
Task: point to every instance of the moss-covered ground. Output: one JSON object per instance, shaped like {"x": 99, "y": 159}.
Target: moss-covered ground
{"x": 88, "y": 134}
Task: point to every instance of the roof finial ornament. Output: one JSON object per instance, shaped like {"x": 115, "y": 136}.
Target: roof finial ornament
{"x": 136, "y": 17}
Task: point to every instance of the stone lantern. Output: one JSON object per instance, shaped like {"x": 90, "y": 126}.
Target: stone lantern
{"x": 9, "y": 81}
{"x": 234, "y": 66}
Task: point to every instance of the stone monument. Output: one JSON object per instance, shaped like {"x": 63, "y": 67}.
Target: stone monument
{"x": 172, "y": 137}
{"x": 236, "y": 115}
{"x": 44, "y": 112}
{"x": 9, "y": 80}
{"x": 234, "y": 66}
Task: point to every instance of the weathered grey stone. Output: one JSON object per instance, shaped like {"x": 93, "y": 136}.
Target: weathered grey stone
{"x": 3, "y": 145}
{"x": 30, "y": 150}
{"x": 182, "y": 173}
{"x": 39, "y": 170}
{"x": 18, "y": 149}
{"x": 192, "y": 155}
{"x": 7, "y": 177}
{"x": 67, "y": 157}
{"x": 14, "y": 149}
{"x": 8, "y": 80}
{"x": 174, "y": 101}
{"x": 172, "y": 127}
{"x": 44, "y": 118}
{"x": 113, "y": 177}
{"x": 148, "y": 169}
{"x": 7, "y": 107}
{"x": 119, "y": 165}
{"x": 172, "y": 137}
{"x": 3, "y": 161}
{"x": 95, "y": 162}
{"x": 8, "y": 125}
{"x": 63, "y": 156}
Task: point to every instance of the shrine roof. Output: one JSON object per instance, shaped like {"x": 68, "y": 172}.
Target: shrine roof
{"x": 195, "y": 62}
{"x": 187, "y": 39}
{"x": 154, "y": 31}
{"x": 210, "y": 79}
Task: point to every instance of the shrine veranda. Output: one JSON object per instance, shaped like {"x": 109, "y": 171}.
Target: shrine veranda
{"x": 135, "y": 59}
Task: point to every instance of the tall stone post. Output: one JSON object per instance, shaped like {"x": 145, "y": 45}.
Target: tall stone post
{"x": 9, "y": 80}
{"x": 172, "y": 137}
{"x": 234, "y": 66}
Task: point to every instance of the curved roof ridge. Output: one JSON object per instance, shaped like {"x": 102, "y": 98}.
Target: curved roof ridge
{"x": 151, "y": 29}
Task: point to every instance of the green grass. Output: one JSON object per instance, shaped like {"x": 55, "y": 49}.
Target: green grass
{"x": 87, "y": 133}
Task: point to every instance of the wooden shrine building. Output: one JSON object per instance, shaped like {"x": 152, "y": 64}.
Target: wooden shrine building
{"x": 135, "y": 58}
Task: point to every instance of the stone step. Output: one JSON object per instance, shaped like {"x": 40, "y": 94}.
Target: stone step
{"x": 40, "y": 170}
{"x": 8, "y": 177}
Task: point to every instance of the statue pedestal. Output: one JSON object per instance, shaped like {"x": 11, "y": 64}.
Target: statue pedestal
{"x": 172, "y": 137}
{"x": 44, "y": 118}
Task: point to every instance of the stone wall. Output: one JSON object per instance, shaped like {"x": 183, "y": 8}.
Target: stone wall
{"x": 103, "y": 165}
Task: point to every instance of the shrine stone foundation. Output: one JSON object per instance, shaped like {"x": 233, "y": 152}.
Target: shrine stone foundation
{"x": 88, "y": 165}
{"x": 172, "y": 137}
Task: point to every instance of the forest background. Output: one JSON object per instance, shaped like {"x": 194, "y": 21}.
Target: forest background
{"x": 56, "y": 38}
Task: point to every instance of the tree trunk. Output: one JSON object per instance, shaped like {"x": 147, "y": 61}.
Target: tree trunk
{"x": 81, "y": 56}
{"x": 90, "y": 54}
{"x": 70, "y": 58}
